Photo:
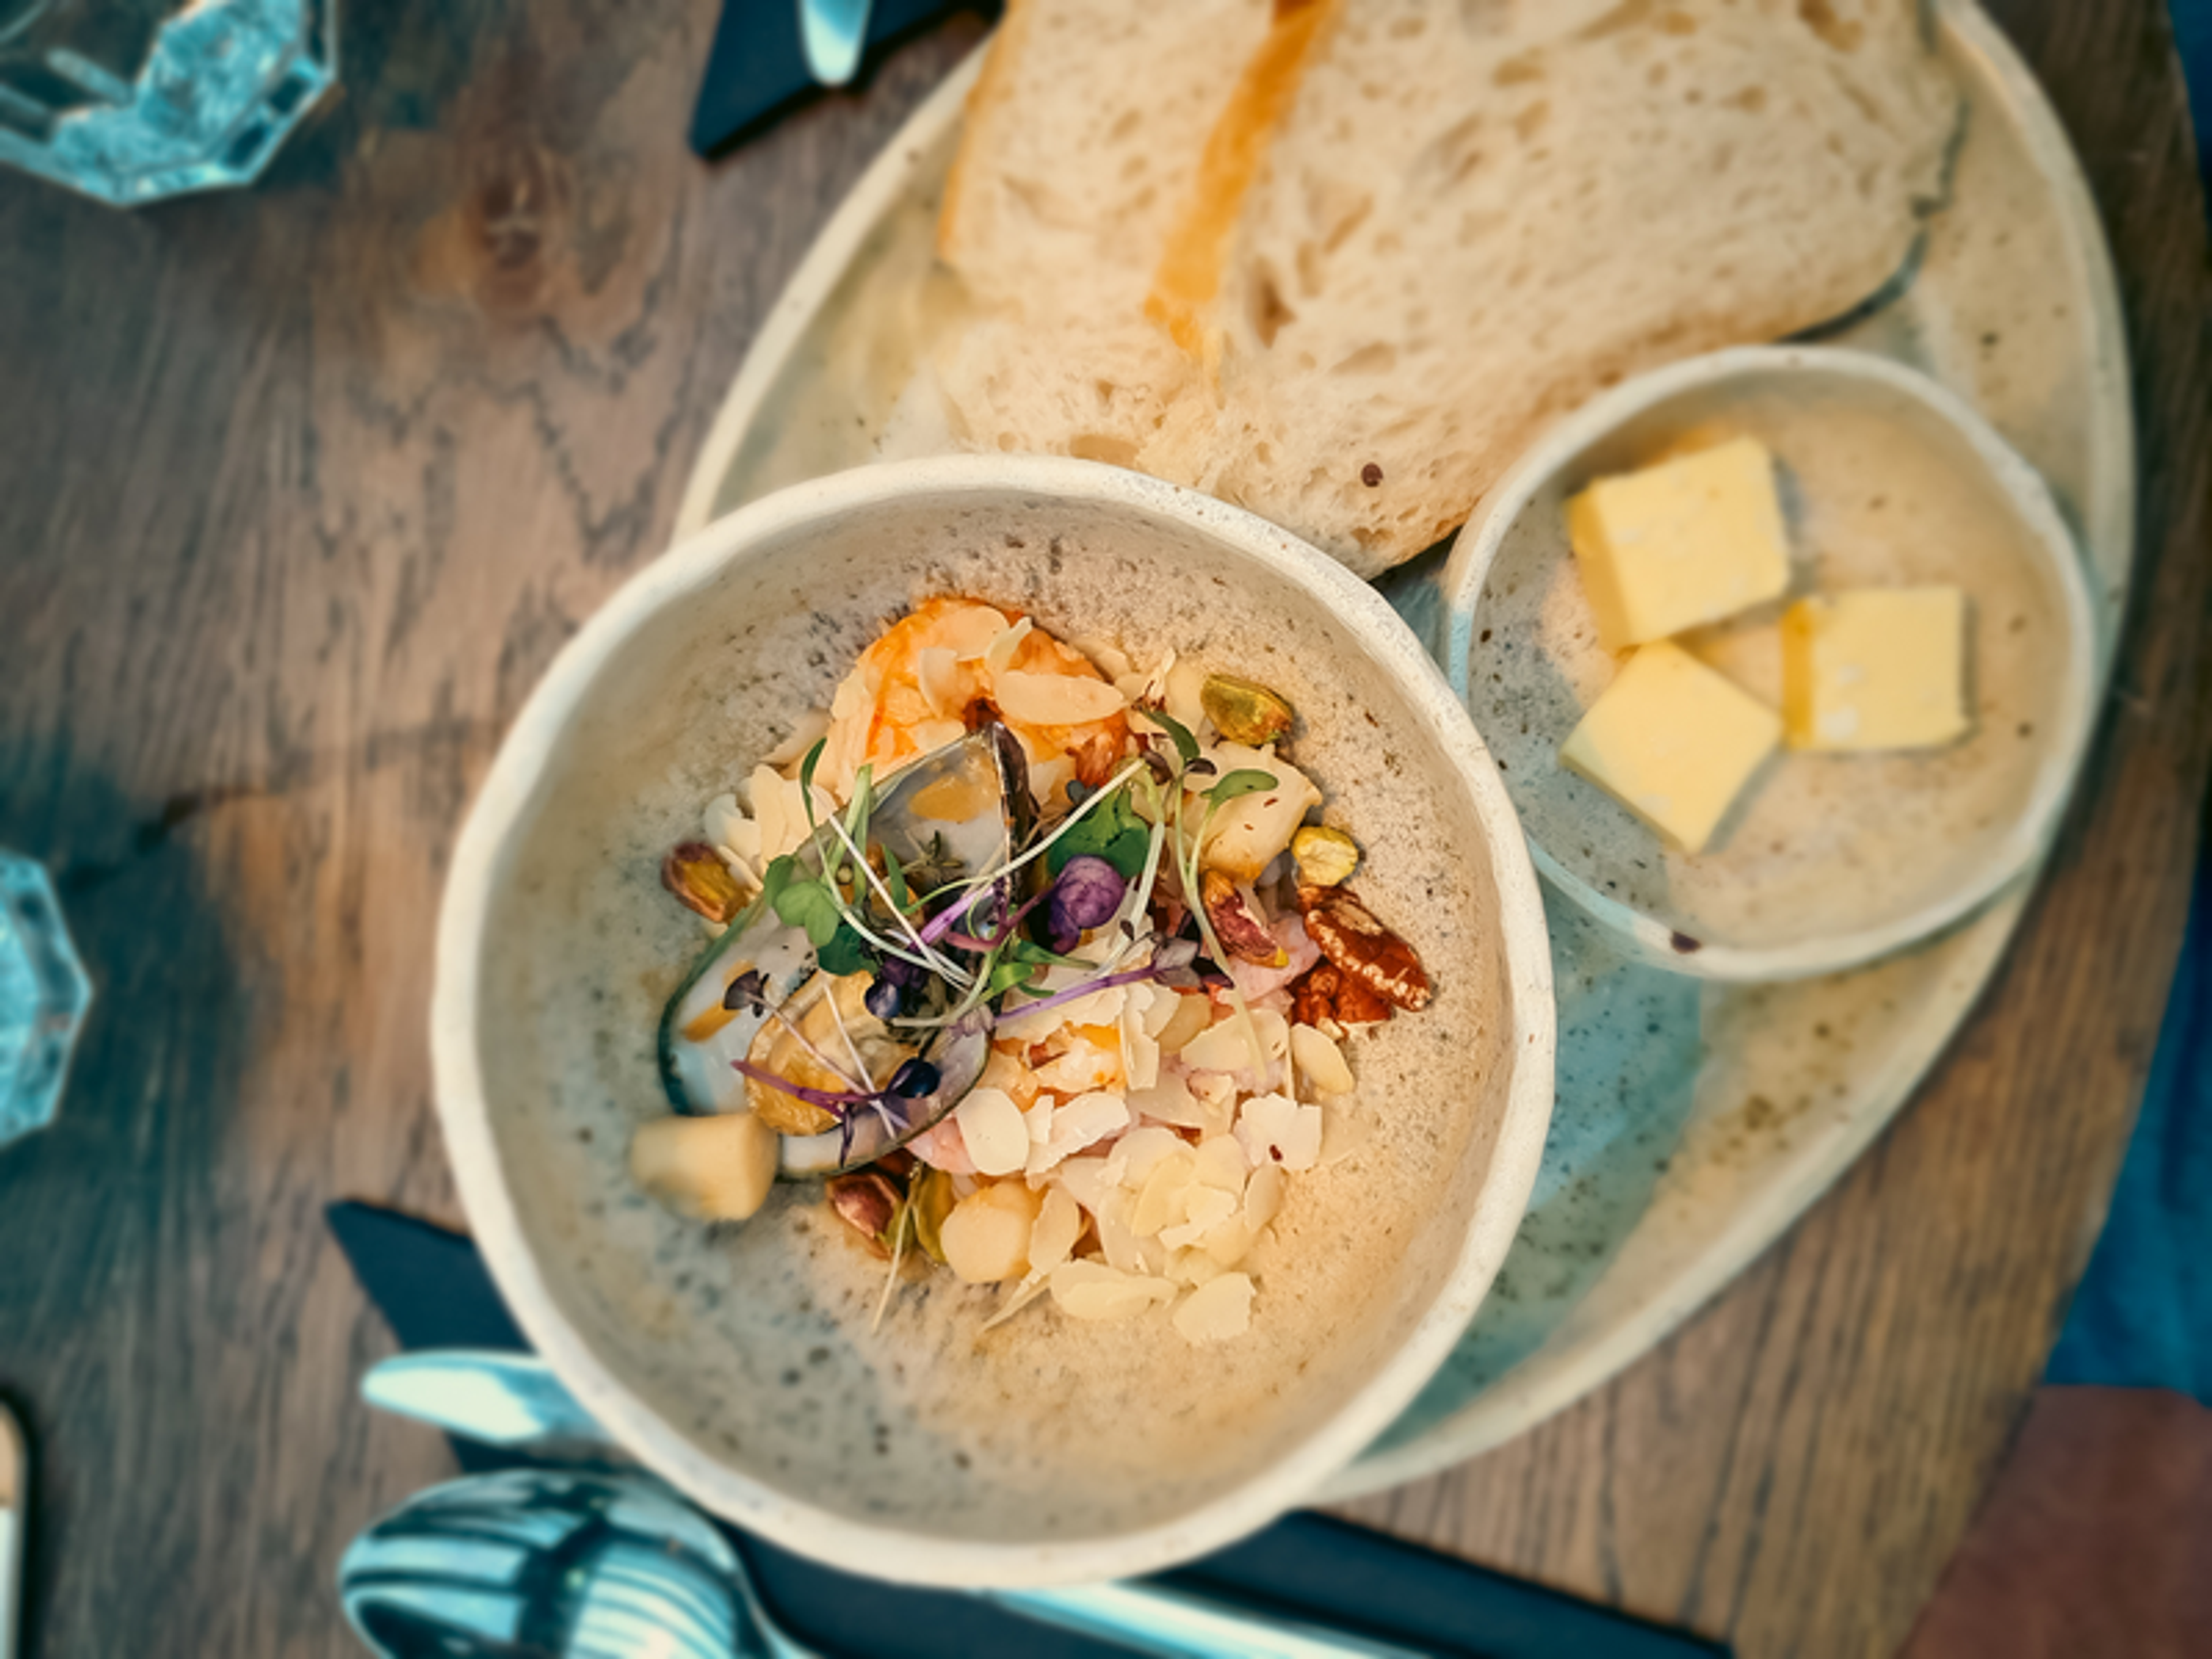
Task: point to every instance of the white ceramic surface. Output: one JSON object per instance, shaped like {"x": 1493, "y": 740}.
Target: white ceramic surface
{"x": 1828, "y": 861}
{"x": 738, "y": 1363}
{"x": 1695, "y": 1121}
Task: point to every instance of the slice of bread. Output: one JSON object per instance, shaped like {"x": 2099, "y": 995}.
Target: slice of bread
{"x": 1082, "y": 141}
{"x": 1478, "y": 213}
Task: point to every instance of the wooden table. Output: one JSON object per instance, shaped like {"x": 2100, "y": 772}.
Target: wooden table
{"x": 300, "y": 489}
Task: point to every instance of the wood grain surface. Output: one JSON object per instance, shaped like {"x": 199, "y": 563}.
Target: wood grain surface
{"x": 300, "y": 488}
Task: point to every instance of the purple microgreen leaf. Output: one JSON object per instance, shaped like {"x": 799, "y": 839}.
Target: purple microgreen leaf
{"x": 837, "y": 1104}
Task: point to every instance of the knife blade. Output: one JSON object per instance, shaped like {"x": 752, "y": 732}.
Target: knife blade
{"x": 506, "y": 1400}
{"x": 758, "y": 70}
{"x": 834, "y": 32}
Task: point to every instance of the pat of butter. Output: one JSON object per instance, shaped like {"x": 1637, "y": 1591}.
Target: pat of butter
{"x": 1875, "y": 668}
{"x": 1673, "y": 742}
{"x": 1679, "y": 545}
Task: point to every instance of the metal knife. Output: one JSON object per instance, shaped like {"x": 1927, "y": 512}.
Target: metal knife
{"x": 515, "y": 1401}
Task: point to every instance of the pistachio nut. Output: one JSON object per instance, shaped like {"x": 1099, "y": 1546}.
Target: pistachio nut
{"x": 1324, "y": 857}
{"x": 1244, "y": 712}
{"x": 695, "y": 873}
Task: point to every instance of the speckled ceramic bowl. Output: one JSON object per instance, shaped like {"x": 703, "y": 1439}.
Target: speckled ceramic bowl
{"x": 738, "y": 1362}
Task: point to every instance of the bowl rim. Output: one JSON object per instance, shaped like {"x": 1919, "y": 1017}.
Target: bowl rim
{"x": 2012, "y": 856}
{"x": 725, "y": 1487}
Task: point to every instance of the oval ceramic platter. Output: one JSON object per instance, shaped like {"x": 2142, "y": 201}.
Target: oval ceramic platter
{"x": 1695, "y": 1121}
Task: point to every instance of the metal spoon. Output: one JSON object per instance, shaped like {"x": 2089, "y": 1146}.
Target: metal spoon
{"x": 515, "y": 1401}
{"x": 553, "y": 1564}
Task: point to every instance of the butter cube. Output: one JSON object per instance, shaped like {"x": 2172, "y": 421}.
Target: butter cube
{"x": 1687, "y": 542}
{"x": 1673, "y": 742}
{"x": 1875, "y": 668}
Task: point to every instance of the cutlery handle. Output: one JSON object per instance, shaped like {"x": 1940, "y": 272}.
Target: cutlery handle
{"x": 14, "y": 1520}
{"x": 1175, "y": 1624}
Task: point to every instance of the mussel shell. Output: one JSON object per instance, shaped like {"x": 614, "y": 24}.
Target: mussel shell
{"x": 983, "y": 779}
{"x": 960, "y": 1053}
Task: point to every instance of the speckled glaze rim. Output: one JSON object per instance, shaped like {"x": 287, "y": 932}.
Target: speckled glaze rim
{"x": 2011, "y": 856}
{"x": 915, "y": 1557}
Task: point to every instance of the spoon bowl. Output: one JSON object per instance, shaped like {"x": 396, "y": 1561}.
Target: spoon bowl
{"x": 547, "y": 1563}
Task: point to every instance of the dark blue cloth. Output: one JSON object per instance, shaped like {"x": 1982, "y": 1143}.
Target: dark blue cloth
{"x": 2143, "y": 1316}
{"x": 2192, "y": 33}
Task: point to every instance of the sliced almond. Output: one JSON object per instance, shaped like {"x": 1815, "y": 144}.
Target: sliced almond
{"x": 1221, "y": 1048}
{"x": 1055, "y": 699}
{"x": 937, "y": 672}
{"x": 1222, "y": 1163}
{"x": 1343, "y": 1132}
{"x": 999, "y": 651}
{"x": 1005, "y": 1072}
{"x": 1093, "y": 1291}
{"x": 969, "y": 630}
{"x": 1017, "y": 1299}
{"x": 1217, "y": 1311}
{"x": 1231, "y": 1242}
{"x": 997, "y": 1136}
{"x": 1083, "y": 1122}
{"x": 1191, "y": 1015}
{"x": 1276, "y": 1129}
{"x": 1163, "y": 1201}
{"x": 1086, "y": 1181}
{"x": 1193, "y": 1267}
{"x": 1205, "y": 1208}
{"x": 1138, "y": 1152}
{"x": 1060, "y": 1224}
{"x": 1320, "y": 1061}
{"x": 1263, "y": 1196}
{"x": 1171, "y": 1101}
{"x": 929, "y": 736}
{"x": 1121, "y": 1247}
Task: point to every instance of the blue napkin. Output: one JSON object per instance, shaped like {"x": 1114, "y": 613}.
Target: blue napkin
{"x": 432, "y": 1290}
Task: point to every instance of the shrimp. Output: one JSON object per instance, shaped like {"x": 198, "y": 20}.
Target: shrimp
{"x": 952, "y": 663}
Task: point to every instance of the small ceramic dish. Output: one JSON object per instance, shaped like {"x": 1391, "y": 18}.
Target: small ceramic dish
{"x": 739, "y": 1362}
{"x": 1825, "y": 861}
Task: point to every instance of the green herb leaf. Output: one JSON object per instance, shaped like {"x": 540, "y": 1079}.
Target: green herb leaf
{"x": 811, "y": 905}
{"x": 1029, "y": 951}
{"x": 894, "y": 879}
{"x": 1178, "y": 733}
{"x": 1247, "y": 781}
{"x": 1007, "y": 977}
{"x": 777, "y": 877}
{"x": 806, "y": 775}
{"x": 843, "y": 954}
{"x": 856, "y": 814}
